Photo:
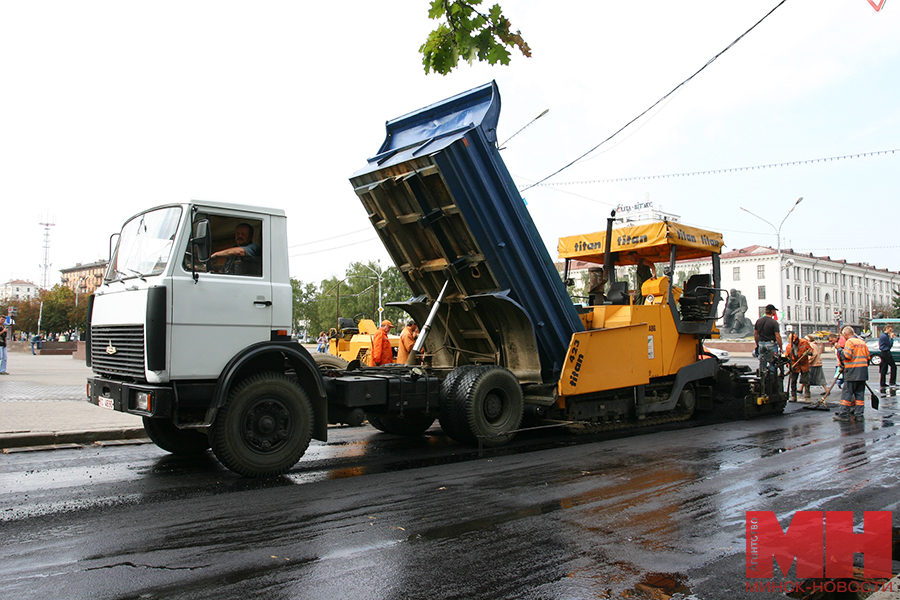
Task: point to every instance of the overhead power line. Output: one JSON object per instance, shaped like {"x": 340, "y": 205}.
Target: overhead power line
{"x": 334, "y": 248}
{"x": 717, "y": 171}
{"x": 676, "y": 88}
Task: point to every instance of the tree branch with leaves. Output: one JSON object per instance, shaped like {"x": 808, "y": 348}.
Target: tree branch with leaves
{"x": 467, "y": 33}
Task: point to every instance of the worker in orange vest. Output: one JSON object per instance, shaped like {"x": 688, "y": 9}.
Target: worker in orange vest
{"x": 381, "y": 345}
{"x": 798, "y": 352}
{"x": 407, "y": 341}
{"x": 855, "y": 356}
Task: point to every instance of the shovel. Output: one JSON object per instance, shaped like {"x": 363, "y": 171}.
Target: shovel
{"x": 875, "y": 400}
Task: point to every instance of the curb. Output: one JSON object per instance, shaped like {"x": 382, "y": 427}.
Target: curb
{"x": 52, "y": 438}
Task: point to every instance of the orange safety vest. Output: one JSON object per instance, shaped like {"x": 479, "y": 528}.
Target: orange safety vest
{"x": 856, "y": 360}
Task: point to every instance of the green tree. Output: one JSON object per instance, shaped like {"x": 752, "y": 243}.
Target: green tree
{"x": 59, "y": 313}
{"x": 353, "y": 295}
{"x": 303, "y": 313}
{"x": 27, "y": 317}
{"x": 467, "y": 33}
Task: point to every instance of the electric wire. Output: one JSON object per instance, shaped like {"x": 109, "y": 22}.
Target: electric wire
{"x": 792, "y": 163}
{"x": 648, "y": 109}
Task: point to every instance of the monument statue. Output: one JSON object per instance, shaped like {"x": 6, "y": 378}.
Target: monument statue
{"x": 734, "y": 322}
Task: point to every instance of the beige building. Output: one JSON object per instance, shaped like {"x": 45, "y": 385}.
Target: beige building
{"x": 84, "y": 279}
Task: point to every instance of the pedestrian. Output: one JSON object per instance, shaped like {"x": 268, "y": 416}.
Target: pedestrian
{"x": 322, "y": 341}
{"x": 382, "y": 354}
{"x": 407, "y": 341}
{"x": 798, "y": 353}
{"x": 767, "y": 336}
{"x": 837, "y": 344}
{"x": 816, "y": 371}
{"x": 35, "y": 340}
{"x": 855, "y": 355}
{"x": 3, "y": 333}
{"x": 885, "y": 343}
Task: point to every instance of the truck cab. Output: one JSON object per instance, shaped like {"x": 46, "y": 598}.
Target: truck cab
{"x": 177, "y": 327}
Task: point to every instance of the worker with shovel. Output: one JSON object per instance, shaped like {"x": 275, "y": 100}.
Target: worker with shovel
{"x": 855, "y": 356}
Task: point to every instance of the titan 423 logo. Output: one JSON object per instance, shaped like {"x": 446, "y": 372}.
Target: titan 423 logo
{"x": 822, "y": 542}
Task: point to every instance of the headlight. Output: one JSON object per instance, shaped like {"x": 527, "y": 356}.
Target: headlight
{"x": 143, "y": 401}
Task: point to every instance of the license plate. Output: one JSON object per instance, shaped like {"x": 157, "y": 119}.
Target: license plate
{"x": 105, "y": 402}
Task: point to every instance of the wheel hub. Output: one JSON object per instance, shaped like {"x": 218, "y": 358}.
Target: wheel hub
{"x": 493, "y": 407}
{"x": 267, "y": 425}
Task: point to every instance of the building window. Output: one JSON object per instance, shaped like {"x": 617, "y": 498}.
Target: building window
{"x": 760, "y": 271}
{"x": 736, "y": 274}
{"x": 788, "y": 290}
{"x": 807, "y": 293}
{"x": 818, "y": 314}
{"x": 805, "y": 274}
{"x": 818, "y": 295}
{"x": 788, "y": 311}
{"x": 808, "y": 313}
{"x": 797, "y": 273}
{"x": 761, "y": 292}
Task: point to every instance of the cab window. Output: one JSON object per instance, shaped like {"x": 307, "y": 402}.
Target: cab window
{"x": 236, "y": 246}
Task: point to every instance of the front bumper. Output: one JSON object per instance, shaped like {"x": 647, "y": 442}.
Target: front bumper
{"x": 141, "y": 399}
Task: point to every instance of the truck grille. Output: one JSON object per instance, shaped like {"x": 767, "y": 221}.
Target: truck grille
{"x": 118, "y": 350}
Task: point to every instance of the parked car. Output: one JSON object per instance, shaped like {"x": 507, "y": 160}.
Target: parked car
{"x": 721, "y": 355}
{"x": 875, "y": 355}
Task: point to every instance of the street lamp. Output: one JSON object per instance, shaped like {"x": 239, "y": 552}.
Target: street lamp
{"x": 78, "y": 287}
{"x": 379, "y": 277}
{"x": 778, "y": 242}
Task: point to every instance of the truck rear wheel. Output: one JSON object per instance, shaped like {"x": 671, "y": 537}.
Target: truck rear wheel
{"x": 487, "y": 406}
{"x": 264, "y": 427}
{"x": 170, "y": 438}
{"x": 454, "y": 425}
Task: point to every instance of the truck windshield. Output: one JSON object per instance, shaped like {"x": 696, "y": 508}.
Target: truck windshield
{"x": 145, "y": 244}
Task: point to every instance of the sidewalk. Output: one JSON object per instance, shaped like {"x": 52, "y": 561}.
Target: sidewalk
{"x": 43, "y": 402}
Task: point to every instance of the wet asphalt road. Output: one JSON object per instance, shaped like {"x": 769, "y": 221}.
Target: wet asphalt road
{"x": 374, "y": 516}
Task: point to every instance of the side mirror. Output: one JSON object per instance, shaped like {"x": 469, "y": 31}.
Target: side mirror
{"x": 200, "y": 246}
{"x": 202, "y": 241}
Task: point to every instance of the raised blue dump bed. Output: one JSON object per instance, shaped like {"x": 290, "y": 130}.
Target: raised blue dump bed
{"x": 445, "y": 207}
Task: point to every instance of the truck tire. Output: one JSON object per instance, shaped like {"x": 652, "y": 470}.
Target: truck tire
{"x": 170, "y": 438}
{"x": 264, "y": 426}
{"x": 329, "y": 361}
{"x": 489, "y": 399}
{"x": 408, "y": 425}
{"x": 453, "y": 423}
{"x": 376, "y": 422}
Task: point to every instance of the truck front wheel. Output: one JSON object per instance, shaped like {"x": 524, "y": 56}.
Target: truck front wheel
{"x": 170, "y": 438}
{"x": 264, "y": 427}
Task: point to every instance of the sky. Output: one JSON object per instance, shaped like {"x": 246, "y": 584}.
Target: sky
{"x": 113, "y": 107}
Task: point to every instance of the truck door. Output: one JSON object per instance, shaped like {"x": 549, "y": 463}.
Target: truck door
{"x": 229, "y": 305}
